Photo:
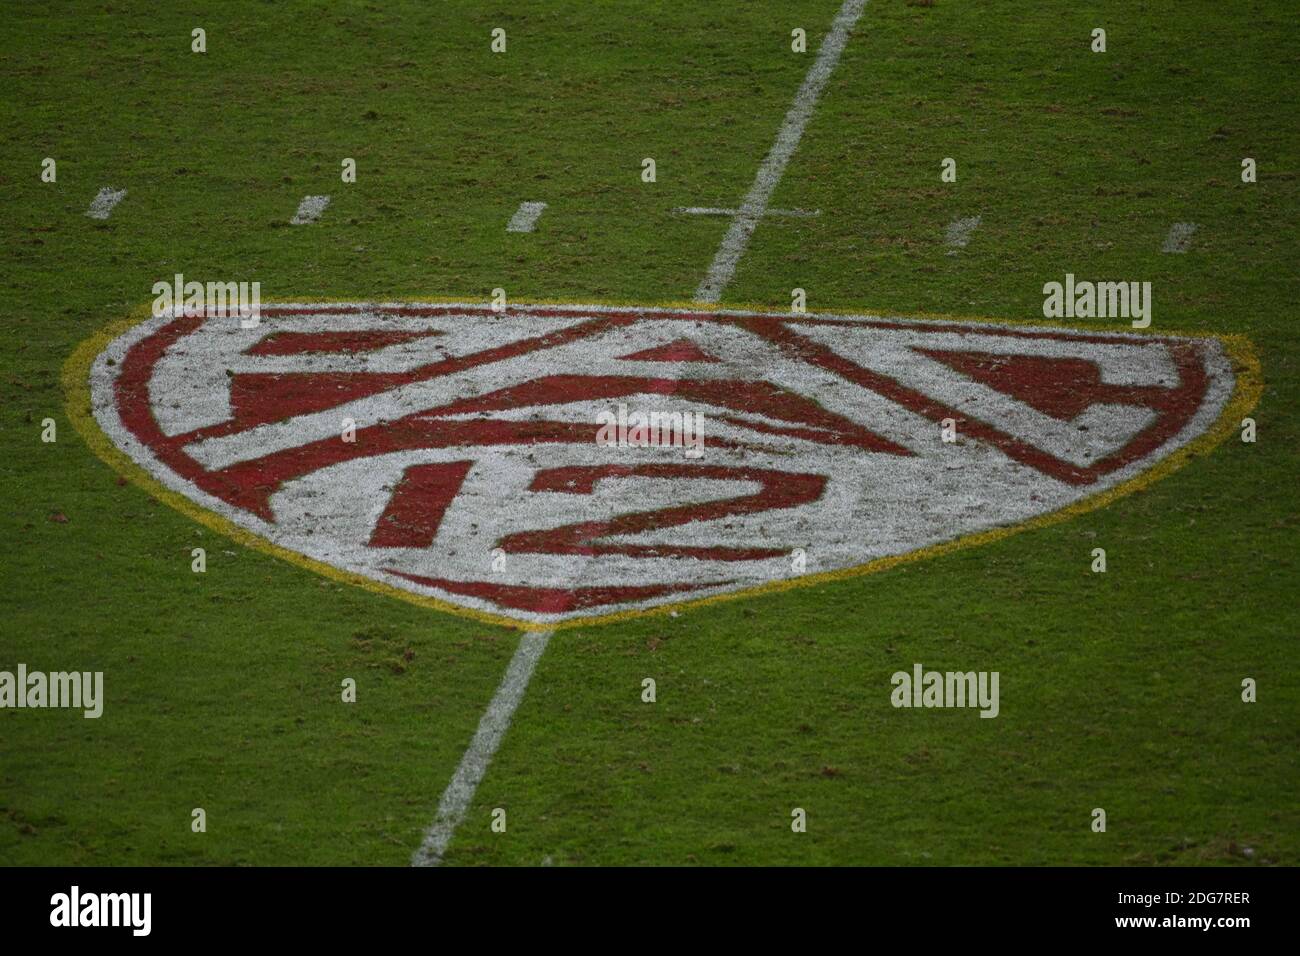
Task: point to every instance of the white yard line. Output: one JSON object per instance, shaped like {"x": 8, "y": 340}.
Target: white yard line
{"x": 309, "y": 210}
{"x": 525, "y": 217}
{"x": 719, "y": 211}
{"x": 787, "y": 140}
{"x": 104, "y": 201}
{"x": 458, "y": 796}
{"x": 1179, "y": 238}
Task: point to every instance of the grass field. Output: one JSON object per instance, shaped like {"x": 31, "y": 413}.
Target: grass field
{"x": 1119, "y": 690}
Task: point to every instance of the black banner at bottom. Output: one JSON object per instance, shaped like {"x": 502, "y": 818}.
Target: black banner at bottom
{"x": 337, "y": 905}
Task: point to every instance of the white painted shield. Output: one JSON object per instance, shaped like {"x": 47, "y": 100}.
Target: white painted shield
{"x": 474, "y": 478}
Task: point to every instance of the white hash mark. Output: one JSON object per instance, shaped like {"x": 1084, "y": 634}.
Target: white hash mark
{"x": 309, "y": 210}
{"x": 525, "y": 217}
{"x": 1179, "y": 238}
{"x": 104, "y": 201}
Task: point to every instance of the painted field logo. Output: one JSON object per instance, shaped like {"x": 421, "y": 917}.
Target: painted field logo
{"x": 472, "y": 478}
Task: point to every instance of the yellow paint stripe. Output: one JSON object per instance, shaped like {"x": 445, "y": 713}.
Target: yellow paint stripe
{"x": 1247, "y": 390}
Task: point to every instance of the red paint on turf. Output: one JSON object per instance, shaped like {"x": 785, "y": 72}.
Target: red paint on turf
{"x": 1061, "y": 387}
{"x": 550, "y": 600}
{"x": 779, "y": 489}
{"x": 1173, "y": 413}
{"x": 309, "y": 343}
{"x": 681, "y": 350}
{"x": 419, "y": 501}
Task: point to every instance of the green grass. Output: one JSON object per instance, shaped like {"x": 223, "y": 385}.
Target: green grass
{"x": 1118, "y": 690}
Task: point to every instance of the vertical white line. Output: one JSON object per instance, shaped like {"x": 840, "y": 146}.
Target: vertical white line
{"x": 104, "y": 201}
{"x": 458, "y": 796}
{"x": 787, "y": 140}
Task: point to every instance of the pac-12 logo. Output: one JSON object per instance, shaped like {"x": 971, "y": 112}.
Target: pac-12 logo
{"x": 450, "y": 452}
